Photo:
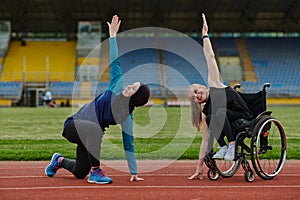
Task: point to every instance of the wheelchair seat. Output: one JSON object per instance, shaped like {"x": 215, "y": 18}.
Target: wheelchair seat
{"x": 241, "y": 124}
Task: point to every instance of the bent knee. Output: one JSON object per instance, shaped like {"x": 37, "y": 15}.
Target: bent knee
{"x": 80, "y": 176}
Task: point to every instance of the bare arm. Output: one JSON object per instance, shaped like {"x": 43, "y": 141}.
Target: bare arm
{"x": 203, "y": 151}
{"x": 214, "y": 79}
{"x": 204, "y": 142}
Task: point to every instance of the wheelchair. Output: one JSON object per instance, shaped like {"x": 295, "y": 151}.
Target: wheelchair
{"x": 262, "y": 140}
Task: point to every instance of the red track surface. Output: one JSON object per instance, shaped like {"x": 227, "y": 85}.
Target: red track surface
{"x": 26, "y": 180}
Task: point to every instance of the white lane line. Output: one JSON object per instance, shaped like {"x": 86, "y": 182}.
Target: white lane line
{"x": 124, "y": 175}
{"x": 152, "y": 187}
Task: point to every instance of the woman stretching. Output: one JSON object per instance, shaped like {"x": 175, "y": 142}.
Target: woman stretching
{"x": 87, "y": 126}
{"x": 222, "y": 106}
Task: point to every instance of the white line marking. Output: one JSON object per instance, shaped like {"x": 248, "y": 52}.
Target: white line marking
{"x": 123, "y": 175}
{"x": 153, "y": 187}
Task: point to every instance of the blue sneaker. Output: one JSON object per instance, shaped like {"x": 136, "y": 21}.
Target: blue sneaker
{"x": 98, "y": 177}
{"x": 51, "y": 169}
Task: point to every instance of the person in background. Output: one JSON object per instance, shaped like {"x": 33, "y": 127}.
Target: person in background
{"x": 87, "y": 126}
{"x": 222, "y": 105}
{"x": 47, "y": 97}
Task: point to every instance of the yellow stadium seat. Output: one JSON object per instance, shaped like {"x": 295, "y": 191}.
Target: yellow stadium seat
{"x": 33, "y": 61}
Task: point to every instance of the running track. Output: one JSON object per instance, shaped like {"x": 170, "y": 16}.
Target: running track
{"x": 26, "y": 180}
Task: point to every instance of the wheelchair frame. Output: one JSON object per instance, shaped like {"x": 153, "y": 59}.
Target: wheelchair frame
{"x": 262, "y": 150}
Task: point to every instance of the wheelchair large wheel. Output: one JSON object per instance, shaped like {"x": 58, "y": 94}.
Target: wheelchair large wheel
{"x": 228, "y": 168}
{"x": 268, "y": 147}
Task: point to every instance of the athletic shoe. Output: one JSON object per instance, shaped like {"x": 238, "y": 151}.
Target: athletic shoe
{"x": 54, "y": 165}
{"x": 230, "y": 153}
{"x": 97, "y": 176}
{"x": 220, "y": 154}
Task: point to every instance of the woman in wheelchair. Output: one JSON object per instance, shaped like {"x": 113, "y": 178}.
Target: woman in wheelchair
{"x": 222, "y": 106}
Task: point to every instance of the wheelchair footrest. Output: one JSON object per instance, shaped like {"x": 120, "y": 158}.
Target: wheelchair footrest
{"x": 263, "y": 149}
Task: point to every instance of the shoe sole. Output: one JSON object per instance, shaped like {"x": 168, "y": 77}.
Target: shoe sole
{"x": 101, "y": 183}
{"x": 217, "y": 158}
{"x": 49, "y": 165}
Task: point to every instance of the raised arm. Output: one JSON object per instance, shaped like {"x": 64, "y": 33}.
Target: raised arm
{"x": 116, "y": 78}
{"x": 214, "y": 79}
{"x": 116, "y": 85}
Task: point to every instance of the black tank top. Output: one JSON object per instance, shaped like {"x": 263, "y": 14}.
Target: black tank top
{"x": 226, "y": 98}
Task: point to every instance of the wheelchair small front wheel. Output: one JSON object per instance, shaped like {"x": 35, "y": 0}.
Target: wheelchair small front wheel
{"x": 249, "y": 176}
{"x": 213, "y": 174}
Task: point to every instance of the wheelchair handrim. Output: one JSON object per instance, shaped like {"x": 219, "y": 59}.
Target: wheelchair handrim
{"x": 283, "y": 150}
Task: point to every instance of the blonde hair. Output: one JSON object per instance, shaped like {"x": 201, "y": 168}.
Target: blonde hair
{"x": 196, "y": 108}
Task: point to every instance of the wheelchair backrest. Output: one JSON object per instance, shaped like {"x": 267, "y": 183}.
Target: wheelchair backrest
{"x": 255, "y": 101}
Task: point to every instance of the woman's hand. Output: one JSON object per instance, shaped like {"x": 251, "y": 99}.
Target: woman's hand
{"x": 205, "y": 27}
{"x": 196, "y": 175}
{"x": 135, "y": 178}
{"x": 114, "y": 26}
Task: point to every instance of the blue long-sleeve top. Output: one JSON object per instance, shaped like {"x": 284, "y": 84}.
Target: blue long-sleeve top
{"x": 99, "y": 110}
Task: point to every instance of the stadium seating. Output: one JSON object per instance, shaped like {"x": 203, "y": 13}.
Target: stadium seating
{"x": 32, "y": 61}
{"x": 99, "y": 87}
{"x": 276, "y": 60}
{"x": 225, "y": 46}
{"x": 185, "y": 66}
{"x": 65, "y": 89}
{"x": 173, "y": 67}
{"x": 139, "y": 63}
{"x": 10, "y": 90}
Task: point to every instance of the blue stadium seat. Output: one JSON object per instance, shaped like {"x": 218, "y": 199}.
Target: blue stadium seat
{"x": 225, "y": 46}
{"x": 277, "y": 61}
{"x": 64, "y": 89}
{"x": 10, "y": 90}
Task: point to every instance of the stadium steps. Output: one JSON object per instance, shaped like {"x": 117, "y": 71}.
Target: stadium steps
{"x": 88, "y": 61}
{"x": 104, "y": 74}
{"x": 35, "y": 56}
{"x": 85, "y": 90}
{"x": 102, "y": 62}
{"x": 104, "y": 71}
{"x": 104, "y": 66}
{"x": 1, "y": 64}
{"x": 249, "y": 73}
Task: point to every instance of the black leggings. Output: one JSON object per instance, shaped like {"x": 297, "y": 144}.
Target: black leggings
{"x": 88, "y": 137}
{"x": 219, "y": 124}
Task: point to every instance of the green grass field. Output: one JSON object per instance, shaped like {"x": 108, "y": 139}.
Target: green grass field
{"x": 160, "y": 133}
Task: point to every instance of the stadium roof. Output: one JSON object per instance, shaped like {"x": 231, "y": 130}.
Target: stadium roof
{"x": 181, "y": 15}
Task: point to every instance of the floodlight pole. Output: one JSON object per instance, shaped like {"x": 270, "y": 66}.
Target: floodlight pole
{"x": 24, "y": 69}
{"x": 47, "y": 72}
